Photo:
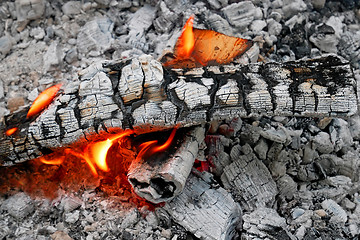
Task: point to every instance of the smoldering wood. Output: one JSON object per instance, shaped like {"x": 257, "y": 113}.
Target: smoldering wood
{"x": 208, "y": 213}
{"x": 138, "y": 93}
{"x": 163, "y": 181}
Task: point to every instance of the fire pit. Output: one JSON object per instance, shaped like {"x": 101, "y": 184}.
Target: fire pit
{"x": 202, "y": 142}
{"x": 131, "y": 120}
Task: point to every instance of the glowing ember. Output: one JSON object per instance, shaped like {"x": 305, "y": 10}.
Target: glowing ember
{"x": 54, "y": 161}
{"x": 148, "y": 148}
{"x": 43, "y": 100}
{"x": 187, "y": 39}
{"x": 11, "y": 131}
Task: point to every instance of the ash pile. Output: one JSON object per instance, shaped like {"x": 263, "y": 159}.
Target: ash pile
{"x": 264, "y": 178}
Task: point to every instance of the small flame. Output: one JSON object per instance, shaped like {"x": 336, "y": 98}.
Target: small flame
{"x": 148, "y": 148}
{"x": 187, "y": 39}
{"x": 11, "y": 131}
{"x": 43, "y": 100}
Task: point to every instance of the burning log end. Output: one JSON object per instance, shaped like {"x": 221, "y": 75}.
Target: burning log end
{"x": 164, "y": 181}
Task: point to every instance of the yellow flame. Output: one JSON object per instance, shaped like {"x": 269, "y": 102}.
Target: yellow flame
{"x": 187, "y": 39}
{"x": 99, "y": 152}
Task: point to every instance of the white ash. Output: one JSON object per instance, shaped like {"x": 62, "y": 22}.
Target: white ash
{"x": 315, "y": 173}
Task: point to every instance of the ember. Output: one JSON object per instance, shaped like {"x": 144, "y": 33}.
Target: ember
{"x": 43, "y": 100}
{"x": 11, "y": 131}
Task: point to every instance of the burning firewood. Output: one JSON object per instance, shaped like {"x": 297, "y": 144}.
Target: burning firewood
{"x": 144, "y": 97}
{"x": 138, "y": 94}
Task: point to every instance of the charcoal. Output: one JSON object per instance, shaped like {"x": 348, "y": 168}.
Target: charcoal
{"x": 71, "y": 203}
{"x": 340, "y": 134}
{"x": 318, "y": 4}
{"x": 204, "y": 203}
{"x": 274, "y": 27}
{"x": 249, "y": 177}
{"x": 6, "y": 43}
{"x": 354, "y": 126}
{"x": 287, "y": 186}
{"x": 323, "y": 143}
{"x": 53, "y": 58}
{"x": 257, "y": 25}
{"x": 325, "y": 39}
{"x": 37, "y": 33}
{"x": 71, "y": 56}
{"x": 349, "y": 47}
{"x": 95, "y": 36}
{"x": 71, "y": 8}
{"x": 291, "y": 8}
{"x": 217, "y": 23}
{"x": 279, "y": 136}
{"x": 265, "y": 222}
{"x": 240, "y": 15}
{"x": 310, "y": 154}
{"x": 338, "y": 214}
{"x": 130, "y": 219}
{"x": 19, "y": 206}
{"x": 29, "y": 10}
{"x": 261, "y": 149}
{"x": 72, "y": 217}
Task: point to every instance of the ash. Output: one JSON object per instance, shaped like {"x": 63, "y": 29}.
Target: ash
{"x": 295, "y": 178}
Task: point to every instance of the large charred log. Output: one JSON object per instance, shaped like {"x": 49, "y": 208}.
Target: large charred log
{"x": 140, "y": 94}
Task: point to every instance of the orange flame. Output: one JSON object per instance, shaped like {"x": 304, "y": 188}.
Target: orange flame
{"x": 187, "y": 39}
{"x": 43, "y": 100}
{"x": 11, "y": 131}
{"x": 95, "y": 153}
{"x": 148, "y": 148}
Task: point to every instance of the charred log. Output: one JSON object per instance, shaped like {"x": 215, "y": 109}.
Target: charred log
{"x": 163, "y": 181}
{"x": 138, "y": 94}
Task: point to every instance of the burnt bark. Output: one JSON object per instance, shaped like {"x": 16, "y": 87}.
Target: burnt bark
{"x": 140, "y": 94}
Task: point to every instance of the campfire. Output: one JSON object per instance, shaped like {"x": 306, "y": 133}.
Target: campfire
{"x": 156, "y": 169}
{"x": 135, "y": 127}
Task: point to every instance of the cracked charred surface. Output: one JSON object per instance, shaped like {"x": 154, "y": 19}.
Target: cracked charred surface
{"x": 140, "y": 94}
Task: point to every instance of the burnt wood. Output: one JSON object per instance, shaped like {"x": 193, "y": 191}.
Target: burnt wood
{"x": 140, "y": 94}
